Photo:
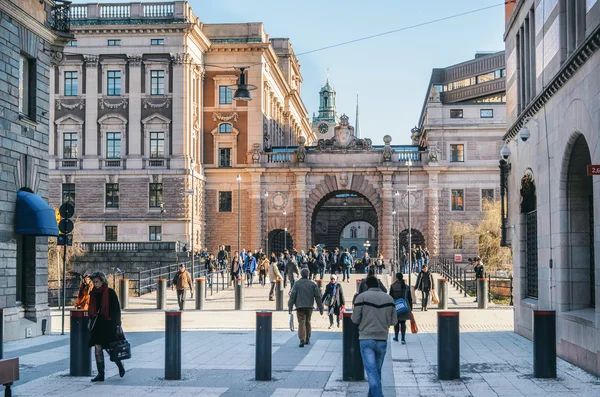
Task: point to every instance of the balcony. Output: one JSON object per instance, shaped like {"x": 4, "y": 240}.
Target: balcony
{"x": 69, "y": 164}
{"x": 121, "y": 246}
{"x": 130, "y": 13}
{"x": 112, "y": 164}
{"x": 59, "y": 16}
{"x": 156, "y": 163}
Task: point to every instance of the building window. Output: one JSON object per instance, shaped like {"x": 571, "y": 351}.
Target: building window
{"x": 157, "y": 145}
{"x": 526, "y": 54}
{"x": 353, "y": 232}
{"x": 439, "y": 88}
{"x": 456, "y": 113}
{"x": 72, "y": 43}
{"x": 224, "y": 157}
{"x": 457, "y": 242}
{"x": 114, "y": 82}
{"x": 157, "y": 41}
{"x": 487, "y": 195}
{"x": 458, "y": 200}
{"x": 225, "y": 95}
{"x": 225, "y": 128}
{"x": 157, "y": 82}
{"x": 155, "y": 233}
{"x": 486, "y": 113}
{"x": 574, "y": 29}
{"x": 112, "y": 195}
{"x": 27, "y": 87}
{"x": 110, "y": 233}
{"x": 155, "y": 195}
{"x": 114, "y": 43}
{"x": 70, "y": 145}
{"x": 225, "y": 200}
{"x": 113, "y": 145}
{"x": 71, "y": 86}
{"x": 370, "y": 233}
{"x": 68, "y": 193}
{"x": 457, "y": 153}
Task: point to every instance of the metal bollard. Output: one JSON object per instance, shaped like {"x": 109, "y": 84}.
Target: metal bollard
{"x": 80, "y": 353}
{"x": 1, "y": 334}
{"x": 482, "y": 298}
{"x": 352, "y": 364}
{"x": 124, "y": 293}
{"x": 279, "y": 295}
{"x": 544, "y": 344}
{"x": 443, "y": 292}
{"x": 448, "y": 349}
{"x": 200, "y": 292}
{"x": 173, "y": 345}
{"x": 264, "y": 339}
{"x": 239, "y": 294}
{"x": 161, "y": 294}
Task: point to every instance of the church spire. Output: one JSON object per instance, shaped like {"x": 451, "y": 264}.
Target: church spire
{"x": 356, "y": 126}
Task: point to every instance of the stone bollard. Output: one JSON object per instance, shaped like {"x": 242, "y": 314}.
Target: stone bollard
{"x": 200, "y": 292}
{"x": 482, "y": 294}
{"x": 80, "y": 354}
{"x": 173, "y": 345}
{"x": 264, "y": 346}
{"x": 448, "y": 349}
{"x": 161, "y": 294}
{"x": 239, "y": 294}
{"x": 443, "y": 293}
{"x": 279, "y": 295}
{"x": 124, "y": 293}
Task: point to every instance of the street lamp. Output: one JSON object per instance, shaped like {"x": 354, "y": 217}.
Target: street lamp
{"x": 267, "y": 215}
{"x": 367, "y": 245}
{"x": 239, "y": 180}
{"x": 409, "y": 164}
{"x": 395, "y": 241}
{"x": 193, "y": 167}
{"x": 398, "y": 228}
{"x": 162, "y": 211}
{"x": 284, "y": 230}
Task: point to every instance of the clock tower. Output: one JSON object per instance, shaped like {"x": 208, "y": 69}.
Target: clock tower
{"x": 325, "y": 122}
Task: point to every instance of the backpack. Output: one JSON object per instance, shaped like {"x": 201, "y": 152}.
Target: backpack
{"x": 347, "y": 260}
{"x": 401, "y": 304}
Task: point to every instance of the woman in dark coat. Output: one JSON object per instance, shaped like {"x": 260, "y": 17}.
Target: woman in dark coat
{"x": 105, "y": 315}
{"x": 400, "y": 290}
{"x": 334, "y": 295}
{"x": 425, "y": 285}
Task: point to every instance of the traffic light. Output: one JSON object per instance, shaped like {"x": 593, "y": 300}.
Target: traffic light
{"x": 66, "y": 225}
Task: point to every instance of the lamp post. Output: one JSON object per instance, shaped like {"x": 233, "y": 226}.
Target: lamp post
{"x": 395, "y": 241}
{"x": 284, "y": 230}
{"x": 367, "y": 245}
{"x": 193, "y": 166}
{"x": 239, "y": 200}
{"x": 162, "y": 211}
{"x": 398, "y": 229}
{"x": 267, "y": 224}
{"x": 409, "y": 164}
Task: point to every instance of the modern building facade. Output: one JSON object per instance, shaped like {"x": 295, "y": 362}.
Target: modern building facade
{"x": 553, "y": 212}
{"x": 462, "y": 123}
{"x": 32, "y": 36}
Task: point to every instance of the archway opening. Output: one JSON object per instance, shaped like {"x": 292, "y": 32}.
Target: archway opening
{"x": 416, "y": 239}
{"x": 339, "y": 210}
{"x": 279, "y": 241}
{"x": 355, "y": 235}
{"x": 580, "y": 210}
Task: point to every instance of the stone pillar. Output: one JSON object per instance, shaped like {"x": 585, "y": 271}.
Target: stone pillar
{"x": 256, "y": 205}
{"x": 301, "y": 239}
{"x": 433, "y": 226}
{"x": 90, "y": 159}
{"x": 386, "y": 235}
{"x": 179, "y": 138}
{"x": 134, "y": 141}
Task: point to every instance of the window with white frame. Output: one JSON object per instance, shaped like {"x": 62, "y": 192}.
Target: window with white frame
{"x": 157, "y": 82}
{"x": 113, "y": 145}
{"x": 225, "y": 95}
{"x": 71, "y": 83}
{"x": 157, "y": 145}
{"x": 113, "y": 82}
{"x": 70, "y": 145}
{"x": 225, "y": 128}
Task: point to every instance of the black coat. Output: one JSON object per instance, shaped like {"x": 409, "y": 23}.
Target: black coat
{"x": 425, "y": 281}
{"x": 105, "y": 331}
{"x": 338, "y": 300}
{"x": 400, "y": 290}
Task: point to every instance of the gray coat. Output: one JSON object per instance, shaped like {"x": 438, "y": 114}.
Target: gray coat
{"x": 304, "y": 294}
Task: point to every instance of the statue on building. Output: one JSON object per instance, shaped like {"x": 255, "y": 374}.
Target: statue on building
{"x": 387, "y": 149}
{"x": 434, "y": 95}
{"x": 256, "y": 152}
{"x": 433, "y": 152}
{"x": 301, "y": 151}
{"x": 344, "y": 139}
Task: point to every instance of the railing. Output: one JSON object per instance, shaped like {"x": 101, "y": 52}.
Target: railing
{"x": 158, "y": 10}
{"x": 122, "y": 246}
{"x": 113, "y": 163}
{"x": 114, "y": 11}
{"x": 69, "y": 163}
{"x": 122, "y": 12}
{"x": 405, "y": 155}
{"x": 78, "y": 11}
{"x": 157, "y": 163}
{"x": 60, "y": 16}
{"x": 278, "y": 157}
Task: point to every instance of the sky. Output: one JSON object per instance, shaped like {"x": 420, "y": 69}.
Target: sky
{"x": 389, "y": 73}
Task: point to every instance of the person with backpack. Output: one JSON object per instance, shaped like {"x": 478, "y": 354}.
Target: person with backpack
{"x": 321, "y": 264}
{"x": 333, "y": 261}
{"x": 292, "y": 270}
{"x": 347, "y": 264}
{"x": 400, "y": 292}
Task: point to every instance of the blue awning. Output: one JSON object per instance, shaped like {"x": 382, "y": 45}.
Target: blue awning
{"x": 34, "y": 216}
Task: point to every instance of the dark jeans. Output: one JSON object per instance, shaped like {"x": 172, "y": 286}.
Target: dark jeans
{"x": 400, "y": 327}
{"x": 424, "y": 297}
{"x": 321, "y": 272}
{"x": 249, "y": 278}
{"x": 272, "y": 292}
{"x": 181, "y": 298}
{"x": 261, "y": 277}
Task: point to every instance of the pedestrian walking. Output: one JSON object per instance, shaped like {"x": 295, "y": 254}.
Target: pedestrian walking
{"x": 347, "y": 264}
{"x": 400, "y": 290}
{"x": 374, "y": 312}
{"x": 333, "y": 298}
{"x": 211, "y": 267}
{"x": 334, "y": 258}
{"x": 222, "y": 258}
{"x": 292, "y": 270}
{"x": 303, "y": 295}
{"x": 263, "y": 267}
{"x": 181, "y": 280}
{"x": 274, "y": 275}
{"x": 312, "y": 263}
{"x": 236, "y": 269}
{"x": 426, "y": 256}
{"x": 105, "y": 322}
{"x": 281, "y": 266}
{"x": 83, "y": 295}
{"x": 321, "y": 264}
{"x": 425, "y": 285}
{"x": 362, "y": 286}
{"x": 379, "y": 263}
{"x": 479, "y": 269}
{"x": 303, "y": 260}
{"x": 250, "y": 269}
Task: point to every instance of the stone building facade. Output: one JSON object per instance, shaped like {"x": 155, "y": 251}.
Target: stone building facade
{"x": 32, "y": 36}
{"x": 553, "y": 211}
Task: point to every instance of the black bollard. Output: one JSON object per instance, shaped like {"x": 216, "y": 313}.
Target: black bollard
{"x": 482, "y": 298}
{"x": 448, "y": 348}
{"x": 239, "y": 294}
{"x": 124, "y": 293}
{"x": 443, "y": 292}
{"x": 200, "y": 292}
{"x": 279, "y": 295}
{"x": 1, "y": 334}
{"x": 352, "y": 365}
{"x": 161, "y": 294}
{"x": 264, "y": 339}
{"x": 80, "y": 352}
{"x": 173, "y": 345}
{"x": 544, "y": 344}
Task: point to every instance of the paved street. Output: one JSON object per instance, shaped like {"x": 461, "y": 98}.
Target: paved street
{"x": 218, "y": 357}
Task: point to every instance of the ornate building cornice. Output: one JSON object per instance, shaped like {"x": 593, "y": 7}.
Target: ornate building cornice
{"x": 134, "y": 60}
{"x": 91, "y": 61}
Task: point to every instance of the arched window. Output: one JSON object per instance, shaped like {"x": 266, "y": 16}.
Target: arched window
{"x": 225, "y": 128}
{"x": 370, "y": 233}
{"x": 353, "y": 232}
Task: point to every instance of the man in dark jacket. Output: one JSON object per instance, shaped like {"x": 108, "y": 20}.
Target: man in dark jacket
{"x": 362, "y": 287}
{"x": 303, "y": 295}
{"x": 424, "y": 284}
{"x": 333, "y": 261}
{"x": 222, "y": 257}
{"x": 479, "y": 269}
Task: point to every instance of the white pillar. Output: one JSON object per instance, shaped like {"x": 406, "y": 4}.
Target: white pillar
{"x": 134, "y": 141}
{"x": 90, "y": 159}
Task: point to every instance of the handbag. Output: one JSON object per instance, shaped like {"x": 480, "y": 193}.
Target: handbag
{"x": 92, "y": 323}
{"x": 342, "y": 311}
{"x": 434, "y": 297}
{"x": 291, "y": 322}
{"x": 120, "y": 349}
{"x": 413, "y": 324}
{"x": 401, "y": 305}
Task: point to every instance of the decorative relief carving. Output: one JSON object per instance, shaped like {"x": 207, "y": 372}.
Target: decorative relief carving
{"x": 67, "y": 178}
{"x": 135, "y": 60}
{"x": 321, "y": 227}
{"x": 179, "y": 58}
{"x": 344, "y": 179}
{"x": 218, "y": 117}
{"x": 56, "y": 57}
{"x": 416, "y": 200}
{"x": 115, "y": 105}
{"x": 91, "y": 61}
{"x": 344, "y": 139}
{"x": 279, "y": 200}
{"x": 266, "y": 138}
{"x": 154, "y": 178}
{"x": 433, "y": 152}
{"x": 166, "y": 104}
{"x": 70, "y": 106}
{"x": 256, "y": 152}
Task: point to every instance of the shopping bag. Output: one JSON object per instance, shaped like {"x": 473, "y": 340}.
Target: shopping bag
{"x": 120, "y": 349}
{"x": 291, "y": 322}
{"x": 434, "y": 297}
{"x": 342, "y": 311}
{"x": 413, "y": 324}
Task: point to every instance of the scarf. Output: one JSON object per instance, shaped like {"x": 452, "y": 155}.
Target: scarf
{"x": 103, "y": 310}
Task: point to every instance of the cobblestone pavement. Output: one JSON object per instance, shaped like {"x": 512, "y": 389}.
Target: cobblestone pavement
{"x": 219, "y": 356}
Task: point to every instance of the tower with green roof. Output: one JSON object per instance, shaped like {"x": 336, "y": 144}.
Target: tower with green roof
{"x": 324, "y": 123}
